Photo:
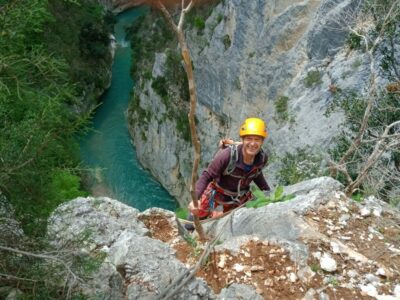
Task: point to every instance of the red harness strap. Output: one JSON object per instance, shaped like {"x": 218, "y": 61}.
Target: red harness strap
{"x": 214, "y": 196}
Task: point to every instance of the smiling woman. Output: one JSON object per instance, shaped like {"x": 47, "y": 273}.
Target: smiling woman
{"x": 221, "y": 187}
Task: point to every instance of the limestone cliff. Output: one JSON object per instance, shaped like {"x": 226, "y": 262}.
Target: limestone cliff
{"x": 249, "y": 56}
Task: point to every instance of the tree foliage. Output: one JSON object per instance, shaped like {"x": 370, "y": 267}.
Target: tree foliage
{"x": 38, "y": 148}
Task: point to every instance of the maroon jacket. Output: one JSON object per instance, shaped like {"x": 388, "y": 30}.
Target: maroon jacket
{"x": 229, "y": 182}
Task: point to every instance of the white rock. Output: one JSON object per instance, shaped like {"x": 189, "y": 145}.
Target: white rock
{"x": 344, "y": 218}
{"x": 323, "y": 296}
{"x": 365, "y": 212}
{"x": 377, "y": 212}
{"x": 369, "y": 290}
{"x": 305, "y": 274}
{"x": 396, "y": 290}
{"x": 292, "y": 277}
{"x": 328, "y": 263}
{"x": 310, "y": 294}
{"x": 352, "y": 273}
{"x": 335, "y": 247}
{"x": 387, "y": 297}
{"x": 238, "y": 267}
{"x": 372, "y": 278}
{"x": 268, "y": 282}
{"x": 257, "y": 268}
{"x": 221, "y": 263}
{"x": 317, "y": 254}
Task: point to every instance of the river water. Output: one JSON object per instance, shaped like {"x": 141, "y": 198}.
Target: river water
{"x": 107, "y": 150}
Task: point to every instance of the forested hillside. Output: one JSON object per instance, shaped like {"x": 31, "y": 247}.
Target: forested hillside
{"x": 54, "y": 57}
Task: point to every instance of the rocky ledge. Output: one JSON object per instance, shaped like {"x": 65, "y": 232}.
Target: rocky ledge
{"x": 319, "y": 245}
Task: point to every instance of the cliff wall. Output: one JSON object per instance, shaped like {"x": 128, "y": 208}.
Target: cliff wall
{"x": 250, "y": 58}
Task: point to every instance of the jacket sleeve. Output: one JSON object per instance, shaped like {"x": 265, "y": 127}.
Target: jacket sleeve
{"x": 260, "y": 179}
{"x": 261, "y": 182}
{"x": 214, "y": 171}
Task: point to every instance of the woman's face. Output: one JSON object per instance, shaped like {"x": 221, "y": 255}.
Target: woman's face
{"x": 252, "y": 144}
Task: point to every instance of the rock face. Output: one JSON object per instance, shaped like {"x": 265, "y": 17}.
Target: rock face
{"x": 135, "y": 265}
{"x": 249, "y": 57}
{"x": 318, "y": 244}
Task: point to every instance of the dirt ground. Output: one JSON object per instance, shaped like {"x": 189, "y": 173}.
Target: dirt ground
{"x": 269, "y": 269}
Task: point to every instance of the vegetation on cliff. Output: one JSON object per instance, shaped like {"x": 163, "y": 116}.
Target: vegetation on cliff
{"x": 54, "y": 60}
{"x": 51, "y": 54}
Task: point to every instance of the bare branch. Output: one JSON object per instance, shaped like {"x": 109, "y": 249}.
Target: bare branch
{"x": 8, "y": 276}
{"x": 193, "y": 100}
{"x": 47, "y": 257}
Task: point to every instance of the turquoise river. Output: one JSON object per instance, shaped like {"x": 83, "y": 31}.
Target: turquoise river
{"x": 108, "y": 150}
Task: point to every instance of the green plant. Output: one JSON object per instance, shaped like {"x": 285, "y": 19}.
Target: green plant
{"x": 199, "y": 23}
{"x": 357, "y": 197}
{"x": 159, "y": 84}
{"x": 262, "y": 200}
{"x": 226, "y": 40}
{"x": 281, "y": 108}
{"x": 236, "y": 83}
{"x": 313, "y": 78}
{"x": 315, "y": 267}
{"x": 354, "y": 41}
{"x": 182, "y": 126}
{"x": 182, "y": 213}
{"x": 357, "y": 63}
{"x": 332, "y": 280}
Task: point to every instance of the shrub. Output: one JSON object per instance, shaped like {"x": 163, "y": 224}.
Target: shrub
{"x": 159, "y": 85}
{"x": 281, "y": 108}
{"x": 199, "y": 23}
{"x": 226, "y": 40}
{"x": 353, "y": 41}
{"x": 313, "y": 78}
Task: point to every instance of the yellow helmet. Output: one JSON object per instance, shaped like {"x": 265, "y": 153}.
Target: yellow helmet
{"x": 253, "y": 126}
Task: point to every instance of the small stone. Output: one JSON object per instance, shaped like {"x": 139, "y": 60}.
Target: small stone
{"x": 328, "y": 263}
{"x": 377, "y": 212}
{"x": 310, "y": 294}
{"x": 305, "y": 274}
{"x": 317, "y": 254}
{"x": 257, "y": 268}
{"x": 335, "y": 247}
{"x": 222, "y": 261}
{"x": 396, "y": 290}
{"x": 369, "y": 290}
{"x": 365, "y": 212}
{"x": 344, "y": 218}
{"x": 372, "y": 278}
{"x": 292, "y": 277}
{"x": 323, "y": 296}
{"x": 268, "y": 282}
{"x": 352, "y": 273}
{"x": 238, "y": 267}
